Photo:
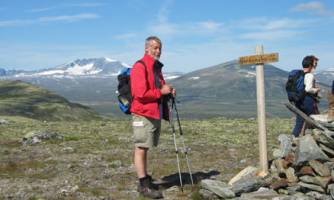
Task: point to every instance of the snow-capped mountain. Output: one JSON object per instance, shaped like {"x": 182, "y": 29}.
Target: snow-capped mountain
{"x": 91, "y": 67}
{"x": 92, "y": 81}
{"x": 96, "y": 67}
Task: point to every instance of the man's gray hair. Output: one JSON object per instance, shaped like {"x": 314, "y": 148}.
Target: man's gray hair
{"x": 149, "y": 39}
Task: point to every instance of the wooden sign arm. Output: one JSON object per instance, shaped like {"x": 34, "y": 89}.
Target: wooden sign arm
{"x": 308, "y": 119}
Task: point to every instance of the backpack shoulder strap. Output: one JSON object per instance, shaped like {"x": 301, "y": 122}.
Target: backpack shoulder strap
{"x": 143, "y": 63}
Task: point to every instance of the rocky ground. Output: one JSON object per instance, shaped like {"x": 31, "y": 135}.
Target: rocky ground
{"x": 93, "y": 160}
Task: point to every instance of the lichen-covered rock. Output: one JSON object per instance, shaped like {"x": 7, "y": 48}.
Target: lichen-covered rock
{"x": 309, "y": 150}
{"x": 248, "y": 185}
{"x": 219, "y": 188}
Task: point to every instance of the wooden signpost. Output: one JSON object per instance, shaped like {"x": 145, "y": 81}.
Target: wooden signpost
{"x": 259, "y": 59}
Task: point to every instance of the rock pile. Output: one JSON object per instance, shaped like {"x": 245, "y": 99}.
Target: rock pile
{"x": 303, "y": 168}
{"x": 36, "y": 137}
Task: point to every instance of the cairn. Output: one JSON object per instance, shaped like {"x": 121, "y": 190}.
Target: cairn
{"x": 330, "y": 98}
{"x": 302, "y": 168}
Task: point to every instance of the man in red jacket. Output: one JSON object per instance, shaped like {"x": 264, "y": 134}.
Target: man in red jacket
{"x": 149, "y": 106}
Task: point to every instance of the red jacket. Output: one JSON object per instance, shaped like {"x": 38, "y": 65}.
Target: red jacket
{"x": 146, "y": 96}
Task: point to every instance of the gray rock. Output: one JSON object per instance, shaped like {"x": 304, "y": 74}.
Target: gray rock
{"x": 308, "y": 150}
{"x": 284, "y": 198}
{"x": 68, "y": 149}
{"x": 301, "y": 196}
{"x": 219, "y": 188}
{"x": 292, "y": 190}
{"x": 206, "y": 194}
{"x": 298, "y": 196}
{"x": 116, "y": 163}
{"x": 321, "y": 181}
{"x": 318, "y": 195}
{"x": 283, "y": 191}
{"x": 320, "y": 168}
{"x": 263, "y": 194}
{"x": 327, "y": 150}
{"x": 285, "y": 144}
{"x": 311, "y": 187}
{"x": 290, "y": 174}
{"x": 330, "y": 190}
{"x": 35, "y": 137}
{"x": 3, "y": 121}
{"x": 330, "y": 165}
{"x": 327, "y": 141}
{"x": 248, "y": 185}
{"x": 279, "y": 165}
{"x": 248, "y": 172}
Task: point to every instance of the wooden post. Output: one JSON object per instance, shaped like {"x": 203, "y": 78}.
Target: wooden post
{"x": 259, "y": 59}
{"x": 261, "y": 114}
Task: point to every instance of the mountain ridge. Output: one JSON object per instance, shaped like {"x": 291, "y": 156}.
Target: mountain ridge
{"x": 19, "y": 98}
{"x": 226, "y": 89}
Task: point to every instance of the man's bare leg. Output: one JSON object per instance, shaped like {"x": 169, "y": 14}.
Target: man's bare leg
{"x": 140, "y": 160}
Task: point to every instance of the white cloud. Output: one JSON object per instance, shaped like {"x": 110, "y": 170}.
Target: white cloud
{"x": 268, "y": 24}
{"x": 270, "y": 35}
{"x": 17, "y": 22}
{"x": 41, "y": 9}
{"x": 81, "y": 5}
{"x": 164, "y": 11}
{"x": 268, "y": 29}
{"x": 315, "y": 7}
{"x": 69, "y": 18}
{"x": 87, "y": 5}
{"x": 164, "y": 29}
{"x": 125, "y": 36}
{"x": 63, "y": 18}
{"x": 210, "y": 25}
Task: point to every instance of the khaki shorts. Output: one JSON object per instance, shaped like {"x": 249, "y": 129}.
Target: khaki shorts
{"x": 146, "y": 131}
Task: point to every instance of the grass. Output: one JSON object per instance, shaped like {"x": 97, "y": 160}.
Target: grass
{"x": 20, "y": 98}
{"x": 97, "y": 155}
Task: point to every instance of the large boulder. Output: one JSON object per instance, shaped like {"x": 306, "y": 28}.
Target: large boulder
{"x": 309, "y": 150}
{"x": 219, "y": 188}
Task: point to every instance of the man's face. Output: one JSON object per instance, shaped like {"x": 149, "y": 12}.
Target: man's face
{"x": 315, "y": 63}
{"x": 154, "y": 49}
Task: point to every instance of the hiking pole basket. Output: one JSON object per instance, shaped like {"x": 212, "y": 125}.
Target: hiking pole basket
{"x": 185, "y": 149}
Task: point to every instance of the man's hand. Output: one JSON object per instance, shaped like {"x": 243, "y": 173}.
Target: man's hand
{"x": 173, "y": 92}
{"x": 166, "y": 89}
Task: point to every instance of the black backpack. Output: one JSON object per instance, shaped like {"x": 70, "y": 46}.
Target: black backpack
{"x": 124, "y": 89}
{"x": 295, "y": 87}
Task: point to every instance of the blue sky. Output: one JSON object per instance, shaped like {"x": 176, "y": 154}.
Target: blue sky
{"x": 39, "y": 34}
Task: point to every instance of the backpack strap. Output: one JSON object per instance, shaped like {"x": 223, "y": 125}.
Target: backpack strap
{"x": 143, "y": 63}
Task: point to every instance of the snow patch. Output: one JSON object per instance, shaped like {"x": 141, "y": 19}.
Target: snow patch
{"x": 194, "y": 78}
{"x": 172, "y": 77}
{"x": 110, "y": 60}
{"x": 83, "y": 70}
{"x": 250, "y": 74}
{"x": 50, "y": 72}
{"x": 126, "y": 65}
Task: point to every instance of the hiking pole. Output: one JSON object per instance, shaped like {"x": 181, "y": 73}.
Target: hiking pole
{"x": 171, "y": 123}
{"x": 185, "y": 149}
